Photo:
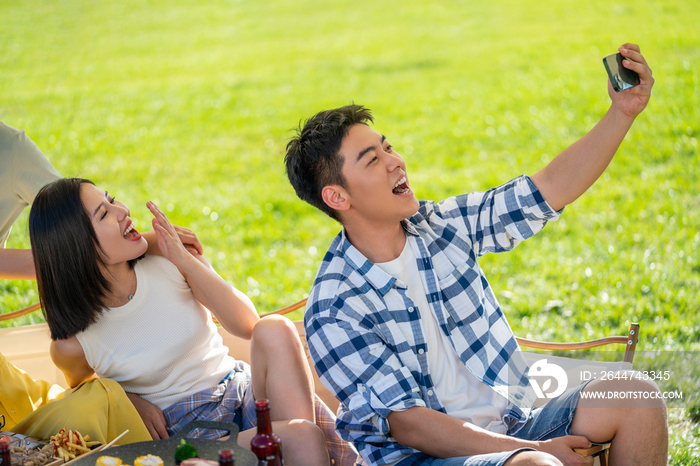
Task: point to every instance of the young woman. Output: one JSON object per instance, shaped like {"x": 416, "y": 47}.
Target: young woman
{"x": 142, "y": 320}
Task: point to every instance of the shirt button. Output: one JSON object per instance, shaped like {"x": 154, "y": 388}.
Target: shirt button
{"x": 13, "y": 412}
{"x": 430, "y": 393}
{"x": 362, "y": 388}
{"x": 420, "y": 351}
{"x": 411, "y": 309}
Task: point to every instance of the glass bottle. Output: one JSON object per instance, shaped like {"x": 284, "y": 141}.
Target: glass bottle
{"x": 227, "y": 458}
{"x": 266, "y": 445}
{"x": 5, "y": 459}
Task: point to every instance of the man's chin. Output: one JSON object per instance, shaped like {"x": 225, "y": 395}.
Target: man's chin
{"x": 414, "y": 208}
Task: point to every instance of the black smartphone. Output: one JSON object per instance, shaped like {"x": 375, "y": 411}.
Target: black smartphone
{"x": 620, "y": 77}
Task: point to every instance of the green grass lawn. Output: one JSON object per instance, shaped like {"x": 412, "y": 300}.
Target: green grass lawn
{"x": 191, "y": 105}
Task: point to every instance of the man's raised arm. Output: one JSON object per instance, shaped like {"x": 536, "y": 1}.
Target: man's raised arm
{"x": 575, "y": 169}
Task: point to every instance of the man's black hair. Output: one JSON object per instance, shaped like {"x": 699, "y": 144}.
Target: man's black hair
{"x": 313, "y": 160}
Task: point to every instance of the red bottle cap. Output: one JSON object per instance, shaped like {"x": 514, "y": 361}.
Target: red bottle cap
{"x": 225, "y": 454}
{"x": 262, "y": 404}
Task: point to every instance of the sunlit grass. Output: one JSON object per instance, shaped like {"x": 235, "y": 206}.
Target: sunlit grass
{"x": 191, "y": 104}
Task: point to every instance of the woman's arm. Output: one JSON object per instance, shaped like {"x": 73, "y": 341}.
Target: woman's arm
{"x": 69, "y": 357}
{"x": 151, "y": 415}
{"x": 234, "y": 310}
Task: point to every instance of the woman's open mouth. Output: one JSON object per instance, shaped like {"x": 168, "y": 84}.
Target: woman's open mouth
{"x": 131, "y": 233}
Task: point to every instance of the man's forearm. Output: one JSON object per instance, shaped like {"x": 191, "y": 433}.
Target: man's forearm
{"x": 17, "y": 264}
{"x": 444, "y": 436}
{"x": 576, "y": 168}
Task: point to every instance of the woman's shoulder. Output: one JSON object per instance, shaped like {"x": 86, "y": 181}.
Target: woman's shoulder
{"x": 67, "y": 352}
{"x": 68, "y": 355}
{"x": 157, "y": 266}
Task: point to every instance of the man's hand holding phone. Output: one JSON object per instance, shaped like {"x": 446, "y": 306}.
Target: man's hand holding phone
{"x": 633, "y": 100}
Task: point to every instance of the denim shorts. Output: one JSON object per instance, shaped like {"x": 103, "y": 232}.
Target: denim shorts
{"x": 550, "y": 421}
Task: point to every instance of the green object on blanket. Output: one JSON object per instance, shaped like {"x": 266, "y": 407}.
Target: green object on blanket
{"x": 184, "y": 451}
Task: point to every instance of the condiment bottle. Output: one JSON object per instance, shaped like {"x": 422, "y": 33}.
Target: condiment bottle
{"x": 5, "y": 459}
{"x": 266, "y": 445}
{"x": 227, "y": 458}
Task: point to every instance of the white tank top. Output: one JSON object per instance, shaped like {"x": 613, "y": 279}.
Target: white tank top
{"x": 460, "y": 392}
{"x": 162, "y": 345}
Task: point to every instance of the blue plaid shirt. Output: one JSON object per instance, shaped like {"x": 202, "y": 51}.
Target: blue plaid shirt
{"x": 364, "y": 332}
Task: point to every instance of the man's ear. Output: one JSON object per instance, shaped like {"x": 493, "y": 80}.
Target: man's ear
{"x": 335, "y": 197}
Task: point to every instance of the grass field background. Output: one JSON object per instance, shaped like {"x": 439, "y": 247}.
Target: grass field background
{"x": 191, "y": 104}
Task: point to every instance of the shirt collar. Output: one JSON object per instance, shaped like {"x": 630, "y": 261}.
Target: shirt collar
{"x": 409, "y": 227}
{"x": 375, "y": 276}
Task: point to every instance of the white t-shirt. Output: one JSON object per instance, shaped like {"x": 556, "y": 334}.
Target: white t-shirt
{"x": 23, "y": 172}
{"x": 461, "y": 393}
{"x": 162, "y": 345}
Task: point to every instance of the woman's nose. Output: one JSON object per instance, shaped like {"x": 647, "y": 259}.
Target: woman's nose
{"x": 122, "y": 210}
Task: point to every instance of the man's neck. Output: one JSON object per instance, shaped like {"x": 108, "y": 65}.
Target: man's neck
{"x": 378, "y": 244}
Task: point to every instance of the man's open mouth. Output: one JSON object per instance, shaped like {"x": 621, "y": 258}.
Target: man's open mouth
{"x": 401, "y": 186}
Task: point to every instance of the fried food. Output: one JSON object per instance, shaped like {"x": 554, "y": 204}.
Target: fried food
{"x": 69, "y": 444}
{"x": 27, "y": 456}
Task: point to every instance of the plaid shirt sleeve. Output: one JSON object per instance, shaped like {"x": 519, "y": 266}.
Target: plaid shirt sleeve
{"x": 364, "y": 373}
{"x": 498, "y": 219}
{"x": 354, "y": 360}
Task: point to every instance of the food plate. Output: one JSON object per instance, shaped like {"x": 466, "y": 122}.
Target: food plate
{"x": 24, "y": 450}
{"x": 165, "y": 449}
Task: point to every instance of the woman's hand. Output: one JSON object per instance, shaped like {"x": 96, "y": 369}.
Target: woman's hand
{"x": 234, "y": 310}
{"x": 151, "y": 415}
{"x": 170, "y": 240}
{"x": 632, "y": 101}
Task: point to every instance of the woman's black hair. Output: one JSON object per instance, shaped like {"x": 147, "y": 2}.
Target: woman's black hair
{"x": 67, "y": 259}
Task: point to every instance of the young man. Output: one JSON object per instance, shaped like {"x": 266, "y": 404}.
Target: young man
{"x": 403, "y": 326}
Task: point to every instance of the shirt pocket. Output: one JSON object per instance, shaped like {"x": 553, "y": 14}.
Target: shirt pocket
{"x": 464, "y": 298}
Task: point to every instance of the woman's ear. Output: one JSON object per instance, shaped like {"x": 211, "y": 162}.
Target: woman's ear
{"x": 335, "y": 197}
